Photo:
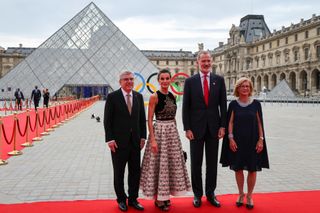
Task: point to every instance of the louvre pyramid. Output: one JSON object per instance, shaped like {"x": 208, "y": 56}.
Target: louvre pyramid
{"x": 88, "y": 50}
{"x": 282, "y": 89}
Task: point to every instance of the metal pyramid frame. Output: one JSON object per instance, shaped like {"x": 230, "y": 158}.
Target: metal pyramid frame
{"x": 87, "y": 50}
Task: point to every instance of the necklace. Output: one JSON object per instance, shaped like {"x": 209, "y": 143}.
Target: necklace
{"x": 245, "y": 104}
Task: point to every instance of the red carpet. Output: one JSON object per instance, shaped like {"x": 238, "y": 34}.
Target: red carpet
{"x": 305, "y": 202}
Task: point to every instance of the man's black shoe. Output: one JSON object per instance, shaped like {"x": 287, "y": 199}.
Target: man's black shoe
{"x": 123, "y": 206}
{"x": 135, "y": 204}
{"x": 197, "y": 202}
{"x": 213, "y": 200}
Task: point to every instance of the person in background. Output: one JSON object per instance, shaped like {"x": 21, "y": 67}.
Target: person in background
{"x": 244, "y": 146}
{"x": 46, "y": 97}
{"x": 35, "y": 96}
{"x": 163, "y": 171}
{"x": 19, "y": 98}
{"x": 125, "y": 130}
{"x": 204, "y": 120}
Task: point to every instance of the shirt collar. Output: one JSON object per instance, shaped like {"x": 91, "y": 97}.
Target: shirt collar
{"x": 125, "y": 93}
{"x": 202, "y": 75}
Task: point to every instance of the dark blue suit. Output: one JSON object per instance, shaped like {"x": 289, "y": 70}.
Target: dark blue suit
{"x": 204, "y": 122}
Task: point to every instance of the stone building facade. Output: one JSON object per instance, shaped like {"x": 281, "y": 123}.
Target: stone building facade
{"x": 291, "y": 53}
{"x": 11, "y": 56}
{"x": 175, "y": 61}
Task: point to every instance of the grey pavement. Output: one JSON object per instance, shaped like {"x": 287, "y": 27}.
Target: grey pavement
{"x": 73, "y": 162}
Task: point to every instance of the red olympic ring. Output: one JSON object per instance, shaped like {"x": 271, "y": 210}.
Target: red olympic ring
{"x": 172, "y": 81}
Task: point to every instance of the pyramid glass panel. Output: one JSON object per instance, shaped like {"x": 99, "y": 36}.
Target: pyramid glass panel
{"x": 88, "y": 50}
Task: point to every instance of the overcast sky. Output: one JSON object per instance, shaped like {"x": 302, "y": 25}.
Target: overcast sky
{"x": 150, "y": 24}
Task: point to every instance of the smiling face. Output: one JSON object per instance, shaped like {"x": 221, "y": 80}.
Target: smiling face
{"x": 244, "y": 89}
{"x": 205, "y": 62}
{"x": 164, "y": 80}
{"x": 127, "y": 82}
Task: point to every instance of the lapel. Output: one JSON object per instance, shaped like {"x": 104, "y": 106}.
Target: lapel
{"x": 123, "y": 101}
{"x": 213, "y": 86}
{"x": 134, "y": 102}
{"x": 199, "y": 85}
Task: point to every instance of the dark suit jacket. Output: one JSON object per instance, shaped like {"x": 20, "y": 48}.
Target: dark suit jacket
{"x": 196, "y": 115}
{"x": 36, "y": 94}
{"x": 119, "y": 124}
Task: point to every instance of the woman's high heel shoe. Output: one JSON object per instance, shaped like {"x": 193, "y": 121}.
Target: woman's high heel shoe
{"x": 240, "y": 200}
{"x": 161, "y": 205}
{"x": 249, "y": 204}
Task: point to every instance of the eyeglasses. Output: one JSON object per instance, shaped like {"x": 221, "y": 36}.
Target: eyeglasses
{"x": 127, "y": 79}
{"x": 245, "y": 86}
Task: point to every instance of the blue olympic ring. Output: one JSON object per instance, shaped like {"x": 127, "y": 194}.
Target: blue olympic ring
{"x": 143, "y": 81}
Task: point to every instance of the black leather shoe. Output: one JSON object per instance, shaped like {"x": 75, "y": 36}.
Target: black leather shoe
{"x": 213, "y": 200}
{"x": 197, "y": 202}
{"x": 136, "y": 205}
{"x": 123, "y": 206}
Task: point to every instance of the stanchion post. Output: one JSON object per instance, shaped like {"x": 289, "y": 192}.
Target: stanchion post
{"x": 37, "y": 138}
{"x": 2, "y": 162}
{"x": 15, "y": 152}
{"x": 27, "y": 143}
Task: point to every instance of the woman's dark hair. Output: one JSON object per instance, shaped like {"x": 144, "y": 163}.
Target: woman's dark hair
{"x": 164, "y": 71}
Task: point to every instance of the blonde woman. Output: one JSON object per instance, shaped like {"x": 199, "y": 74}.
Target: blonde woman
{"x": 244, "y": 146}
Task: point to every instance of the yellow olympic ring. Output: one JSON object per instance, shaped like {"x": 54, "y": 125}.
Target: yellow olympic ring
{"x": 138, "y": 87}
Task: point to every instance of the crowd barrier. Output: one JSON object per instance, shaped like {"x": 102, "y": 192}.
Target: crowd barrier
{"x": 8, "y": 106}
{"x": 22, "y": 130}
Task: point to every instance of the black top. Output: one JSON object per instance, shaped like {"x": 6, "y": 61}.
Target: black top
{"x": 166, "y": 107}
{"x": 246, "y": 135}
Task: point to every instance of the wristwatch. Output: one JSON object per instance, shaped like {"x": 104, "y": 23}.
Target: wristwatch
{"x": 262, "y": 138}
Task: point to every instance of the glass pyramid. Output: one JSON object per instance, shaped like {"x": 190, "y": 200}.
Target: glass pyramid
{"x": 88, "y": 50}
{"x": 282, "y": 89}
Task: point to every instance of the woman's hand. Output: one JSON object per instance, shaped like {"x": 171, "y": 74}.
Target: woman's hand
{"x": 154, "y": 146}
{"x": 259, "y": 146}
{"x": 233, "y": 145}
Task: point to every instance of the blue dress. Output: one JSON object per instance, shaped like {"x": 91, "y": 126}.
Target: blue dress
{"x": 246, "y": 135}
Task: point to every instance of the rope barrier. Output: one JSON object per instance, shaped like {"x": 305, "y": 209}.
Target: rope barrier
{"x": 5, "y": 134}
{"x": 37, "y": 138}
{"x": 15, "y": 152}
{"x": 60, "y": 113}
{"x": 27, "y": 143}
{"x": 2, "y": 162}
{"x": 44, "y": 124}
{"x": 19, "y": 130}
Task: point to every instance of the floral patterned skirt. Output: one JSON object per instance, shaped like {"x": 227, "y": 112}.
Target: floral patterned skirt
{"x": 165, "y": 173}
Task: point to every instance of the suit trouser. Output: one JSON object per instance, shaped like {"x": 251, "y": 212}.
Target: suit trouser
{"x": 120, "y": 158}
{"x": 211, "y": 145}
{"x": 36, "y": 103}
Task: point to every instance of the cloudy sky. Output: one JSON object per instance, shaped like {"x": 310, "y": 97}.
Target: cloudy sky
{"x": 150, "y": 24}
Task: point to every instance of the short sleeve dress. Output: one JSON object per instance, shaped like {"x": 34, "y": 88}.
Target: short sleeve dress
{"x": 246, "y": 135}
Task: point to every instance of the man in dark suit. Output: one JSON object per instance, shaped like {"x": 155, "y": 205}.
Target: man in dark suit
{"x": 125, "y": 128}
{"x": 36, "y": 95}
{"x": 19, "y": 98}
{"x": 204, "y": 120}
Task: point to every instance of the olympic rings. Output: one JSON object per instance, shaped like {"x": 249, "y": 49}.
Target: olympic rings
{"x": 176, "y": 89}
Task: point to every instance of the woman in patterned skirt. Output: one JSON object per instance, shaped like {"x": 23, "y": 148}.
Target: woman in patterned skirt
{"x": 163, "y": 171}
